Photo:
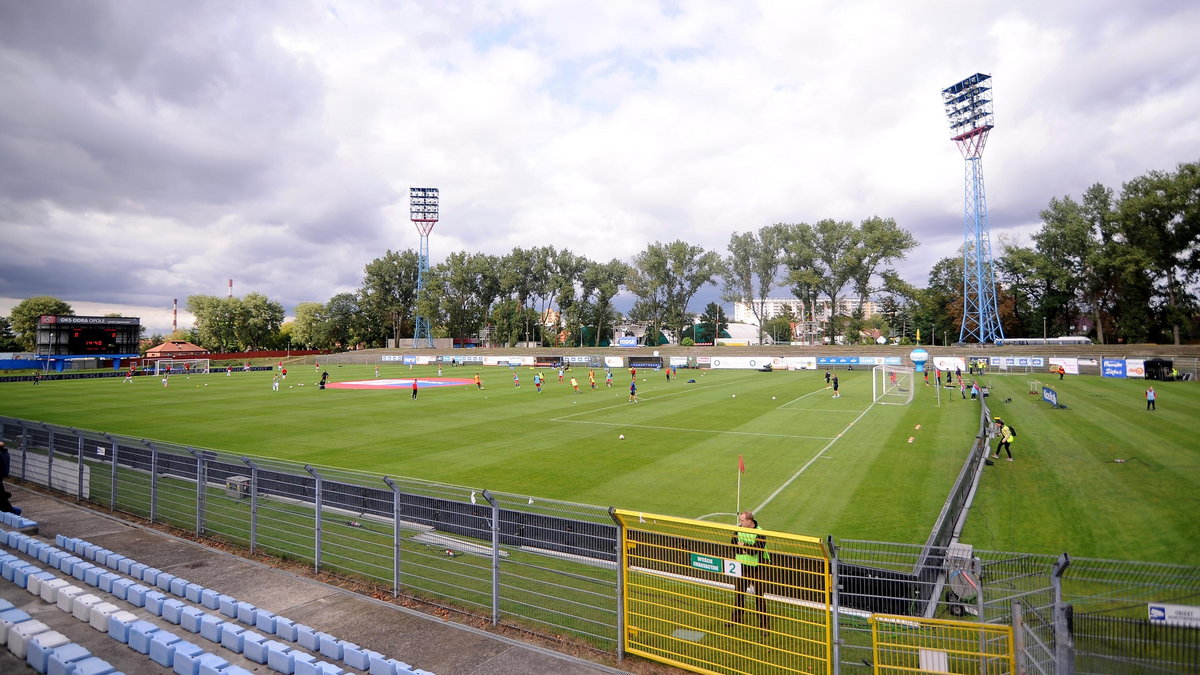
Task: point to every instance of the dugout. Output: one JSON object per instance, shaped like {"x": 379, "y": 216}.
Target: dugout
{"x": 646, "y": 362}
{"x": 1159, "y": 369}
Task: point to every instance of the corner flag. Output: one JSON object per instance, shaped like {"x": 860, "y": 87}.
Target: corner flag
{"x": 741, "y": 465}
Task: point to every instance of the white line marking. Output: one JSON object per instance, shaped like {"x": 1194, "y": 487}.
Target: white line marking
{"x": 810, "y": 462}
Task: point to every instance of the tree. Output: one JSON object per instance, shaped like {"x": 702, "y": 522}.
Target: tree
{"x": 344, "y": 322}
{"x": 599, "y": 284}
{"x": 307, "y": 329}
{"x": 1160, "y": 216}
{"x": 821, "y": 261}
{"x": 8, "y": 340}
{"x": 24, "y": 317}
{"x": 261, "y": 318}
{"x": 751, "y": 269}
{"x": 713, "y": 322}
{"x": 388, "y": 295}
{"x": 458, "y": 293}
{"x": 880, "y": 241}
{"x": 217, "y": 321}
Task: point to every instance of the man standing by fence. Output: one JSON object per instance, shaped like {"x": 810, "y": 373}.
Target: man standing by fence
{"x": 751, "y": 552}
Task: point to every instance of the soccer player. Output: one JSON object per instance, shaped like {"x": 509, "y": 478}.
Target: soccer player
{"x": 414, "y": 394}
{"x": 633, "y": 391}
{"x": 560, "y": 375}
{"x": 516, "y": 380}
{"x": 608, "y": 379}
{"x": 275, "y": 382}
{"x": 827, "y": 376}
{"x": 575, "y": 385}
{"x": 228, "y": 371}
{"x": 836, "y": 393}
{"x": 284, "y": 373}
{"x": 633, "y": 372}
{"x": 478, "y": 382}
{"x": 129, "y": 376}
{"x": 537, "y": 382}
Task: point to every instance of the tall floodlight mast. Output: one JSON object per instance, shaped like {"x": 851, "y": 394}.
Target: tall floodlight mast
{"x": 969, "y": 107}
{"x": 423, "y": 210}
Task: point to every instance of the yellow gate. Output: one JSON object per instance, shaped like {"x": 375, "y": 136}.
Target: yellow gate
{"x": 690, "y": 602}
{"x": 903, "y": 644}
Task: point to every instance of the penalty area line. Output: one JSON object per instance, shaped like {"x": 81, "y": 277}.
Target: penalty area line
{"x": 809, "y": 463}
{"x": 698, "y": 431}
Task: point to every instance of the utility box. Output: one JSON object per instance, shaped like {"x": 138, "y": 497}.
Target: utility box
{"x": 963, "y": 572}
{"x": 238, "y": 486}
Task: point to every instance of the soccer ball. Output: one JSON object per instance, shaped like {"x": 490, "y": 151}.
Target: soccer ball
{"x": 206, "y": 384}
{"x": 733, "y": 396}
{"x": 772, "y": 398}
{"x": 621, "y": 437}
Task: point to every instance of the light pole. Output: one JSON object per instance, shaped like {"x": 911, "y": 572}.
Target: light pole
{"x": 968, "y": 105}
{"x": 423, "y": 211}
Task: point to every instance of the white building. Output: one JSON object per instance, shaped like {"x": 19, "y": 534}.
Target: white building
{"x": 772, "y": 307}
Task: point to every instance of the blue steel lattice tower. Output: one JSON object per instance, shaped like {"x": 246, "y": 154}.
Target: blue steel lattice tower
{"x": 969, "y": 107}
{"x": 423, "y": 210}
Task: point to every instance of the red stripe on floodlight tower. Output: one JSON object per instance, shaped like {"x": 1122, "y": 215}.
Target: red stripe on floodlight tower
{"x": 425, "y": 226}
{"x": 971, "y": 143}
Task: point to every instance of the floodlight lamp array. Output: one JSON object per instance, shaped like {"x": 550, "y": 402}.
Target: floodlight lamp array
{"x": 423, "y": 205}
{"x": 968, "y": 105}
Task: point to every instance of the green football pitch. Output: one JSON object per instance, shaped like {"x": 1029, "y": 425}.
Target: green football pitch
{"x": 814, "y": 464}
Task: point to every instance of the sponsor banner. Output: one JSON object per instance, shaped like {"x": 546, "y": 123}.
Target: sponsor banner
{"x": 794, "y": 363}
{"x": 1112, "y": 368}
{"x": 1135, "y": 368}
{"x": 1006, "y": 362}
{"x": 679, "y": 360}
{"x": 1088, "y": 362}
{"x": 425, "y": 360}
{"x": 740, "y": 362}
{"x": 703, "y": 360}
{"x": 1050, "y": 396}
{"x": 577, "y": 359}
{"x": 1069, "y": 365}
{"x": 859, "y": 360}
{"x": 949, "y": 363}
{"x": 614, "y": 362}
{"x": 1162, "y": 614}
{"x": 515, "y": 361}
{"x": 627, "y": 342}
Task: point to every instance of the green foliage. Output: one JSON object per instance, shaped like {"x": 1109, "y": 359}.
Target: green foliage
{"x": 235, "y": 324}
{"x": 8, "y": 340}
{"x": 687, "y": 342}
{"x": 24, "y": 317}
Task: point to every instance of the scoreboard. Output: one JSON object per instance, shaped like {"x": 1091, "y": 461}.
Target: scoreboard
{"x": 88, "y": 335}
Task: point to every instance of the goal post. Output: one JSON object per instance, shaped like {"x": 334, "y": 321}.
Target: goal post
{"x": 892, "y": 385}
{"x": 181, "y": 366}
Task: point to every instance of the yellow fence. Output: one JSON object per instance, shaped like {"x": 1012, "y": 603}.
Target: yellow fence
{"x": 690, "y": 602}
{"x": 903, "y": 644}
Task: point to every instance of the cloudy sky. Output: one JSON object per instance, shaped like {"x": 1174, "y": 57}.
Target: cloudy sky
{"x": 154, "y": 149}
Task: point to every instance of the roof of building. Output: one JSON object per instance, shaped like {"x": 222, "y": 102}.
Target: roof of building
{"x": 171, "y": 347}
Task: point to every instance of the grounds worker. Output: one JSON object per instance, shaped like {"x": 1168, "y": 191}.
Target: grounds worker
{"x": 751, "y": 552}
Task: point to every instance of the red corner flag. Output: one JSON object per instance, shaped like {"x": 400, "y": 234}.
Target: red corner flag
{"x": 741, "y": 465}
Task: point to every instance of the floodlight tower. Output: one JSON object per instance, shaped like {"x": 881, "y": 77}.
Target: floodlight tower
{"x": 969, "y": 106}
{"x": 423, "y": 210}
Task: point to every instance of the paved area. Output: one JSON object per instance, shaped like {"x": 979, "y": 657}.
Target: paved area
{"x": 421, "y": 640}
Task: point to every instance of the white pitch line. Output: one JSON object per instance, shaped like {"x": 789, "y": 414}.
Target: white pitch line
{"x": 692, "y": 430}
{"x": 810, "y": 462}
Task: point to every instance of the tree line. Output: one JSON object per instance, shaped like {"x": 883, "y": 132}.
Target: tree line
{"x": 1115, "y": 267}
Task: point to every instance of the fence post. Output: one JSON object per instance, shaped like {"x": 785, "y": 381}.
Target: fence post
{"x": 317, "y": 518}
{"x": 112, "y": 487}
{"x": 79, "y": 458}
{"x": 153, "y": 479}
{"x": 1064, "y": 637}
{"x": 1018, "y": 626}
{"x": 620, "y": 583}
{"x": 495, "y": 557}
{"x": 201, "y": 489}
{"x": 49, "y": 457}
{"x": 253, "y": 502}
{"x": 24, "y": 449}
{"x": 835, "y": 605}
{"x": 395, "y": 536}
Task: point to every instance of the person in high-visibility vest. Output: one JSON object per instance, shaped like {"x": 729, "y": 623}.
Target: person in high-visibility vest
{"x": 751, "y": 552}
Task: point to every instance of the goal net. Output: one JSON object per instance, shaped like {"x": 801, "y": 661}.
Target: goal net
{"x": 181, "y": 366}
{"x": 892, "y": 384}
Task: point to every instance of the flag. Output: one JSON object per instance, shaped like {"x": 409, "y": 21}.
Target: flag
{"x": 741, "y": 465}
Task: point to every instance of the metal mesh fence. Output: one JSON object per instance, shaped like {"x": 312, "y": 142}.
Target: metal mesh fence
{"x": 550, "y": 567}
